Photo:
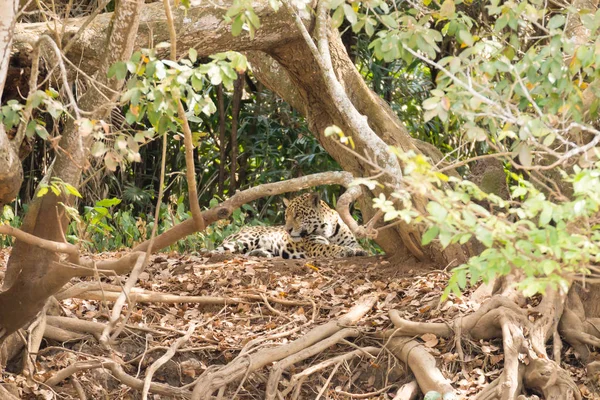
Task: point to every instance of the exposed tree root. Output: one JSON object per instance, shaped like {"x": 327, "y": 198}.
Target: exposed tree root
{"x": 211, "y": 381}
{"x": 166, "y": 357}
{"x": 576, "y": 327}
{"x": 421, "y": 363}
{"x": 526, "y": 364}
{"x": 315, "y": 349}
{"x": 409, "y": 391}
{"x": 106, "y": 292}
{"x": 119, "y": 374}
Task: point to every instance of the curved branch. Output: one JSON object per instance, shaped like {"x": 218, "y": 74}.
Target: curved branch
{"x": 33, "y": 240}
{"x": 226, "y": 208}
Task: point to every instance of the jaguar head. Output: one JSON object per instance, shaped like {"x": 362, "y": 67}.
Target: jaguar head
{"x": 303, "y": 216}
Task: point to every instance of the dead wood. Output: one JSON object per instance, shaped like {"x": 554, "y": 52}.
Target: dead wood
{"x": 296, "y": 381}
{"x": 123, "y": 296}
{"x": 104, "y": 291}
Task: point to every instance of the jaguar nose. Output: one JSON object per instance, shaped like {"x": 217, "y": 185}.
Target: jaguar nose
{"x": 304, "y": 233}
{"x": 290, "y": 230}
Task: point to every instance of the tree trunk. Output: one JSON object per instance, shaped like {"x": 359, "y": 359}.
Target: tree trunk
{"x": 33, "y": 273}
{"x": 11, "y": 171}
{"x": 303, "y": 88}
{"x": 296, "y": 77}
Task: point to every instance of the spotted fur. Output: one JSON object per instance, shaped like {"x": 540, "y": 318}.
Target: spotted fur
{"x": 312, "y": 229}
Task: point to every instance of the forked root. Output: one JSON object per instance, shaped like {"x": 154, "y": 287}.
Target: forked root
{"x": 245, "y": 364}
{"x": 526, "y": 364}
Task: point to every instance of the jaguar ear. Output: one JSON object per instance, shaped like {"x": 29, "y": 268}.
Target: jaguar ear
{"x": 315, "y": 199}
{"x": 286, "y": 202}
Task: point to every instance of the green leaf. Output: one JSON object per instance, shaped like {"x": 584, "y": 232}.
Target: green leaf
{"x": 430, "y": 234}
{"x": 525, "y": 157}
{"x": 118, "y": 70}
{"x": 253, "y": 18}
{"x": 193, "y": 54}
{"x": 370, "y": 26}
{"x": 436, "y": 210}
{"x": 545, "y": 215}
{"x": 71, "y": 189}
{"x": 484, "y": 236}
{"x": 466, "y": 37}
{"x": 338, "y": 17}
{"x": 556, "y": 22}
{"x": 350, "y": 14}
{"x": 461, "y": 279}
{"x": 445, "y": 238}
{"x": 447, "y": 9}
{"x": 30, "y": 131}
{"x": 389, "y": 21}
{"x": 43, "y": 190}
{"x": 42, "y": 132}
{"x": 108, "y": 202}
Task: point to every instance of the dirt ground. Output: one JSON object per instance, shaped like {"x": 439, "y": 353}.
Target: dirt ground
{"x": 280, "y": 301}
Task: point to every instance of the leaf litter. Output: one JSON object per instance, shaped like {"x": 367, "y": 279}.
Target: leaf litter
{"x": 282, "y": 300}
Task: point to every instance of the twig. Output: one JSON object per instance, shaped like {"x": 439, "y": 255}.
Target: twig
{"x": 315, "y": 349}
{"x": 365, "y": 395}
{"x": 298, "y": 378}
{"x": 165, "y": 357}
{"x": 328, "y": 381}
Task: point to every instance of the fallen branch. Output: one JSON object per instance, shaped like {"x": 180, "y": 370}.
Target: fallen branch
{"x": 104, "y": 291}
{"x": 120, "y": 301}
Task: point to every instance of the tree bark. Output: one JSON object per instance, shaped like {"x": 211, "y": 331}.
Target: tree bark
{"x": 33, "y": 274}
{"x": 11, "y": 171}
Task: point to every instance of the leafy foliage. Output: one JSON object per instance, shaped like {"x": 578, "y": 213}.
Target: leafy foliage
{"x": 547, "y": 243}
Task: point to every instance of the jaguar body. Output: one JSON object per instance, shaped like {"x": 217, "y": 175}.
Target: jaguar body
{"x": 312, "y": 229}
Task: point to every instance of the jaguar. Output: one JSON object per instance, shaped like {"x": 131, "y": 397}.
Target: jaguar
{"x": 312, "y": 229}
